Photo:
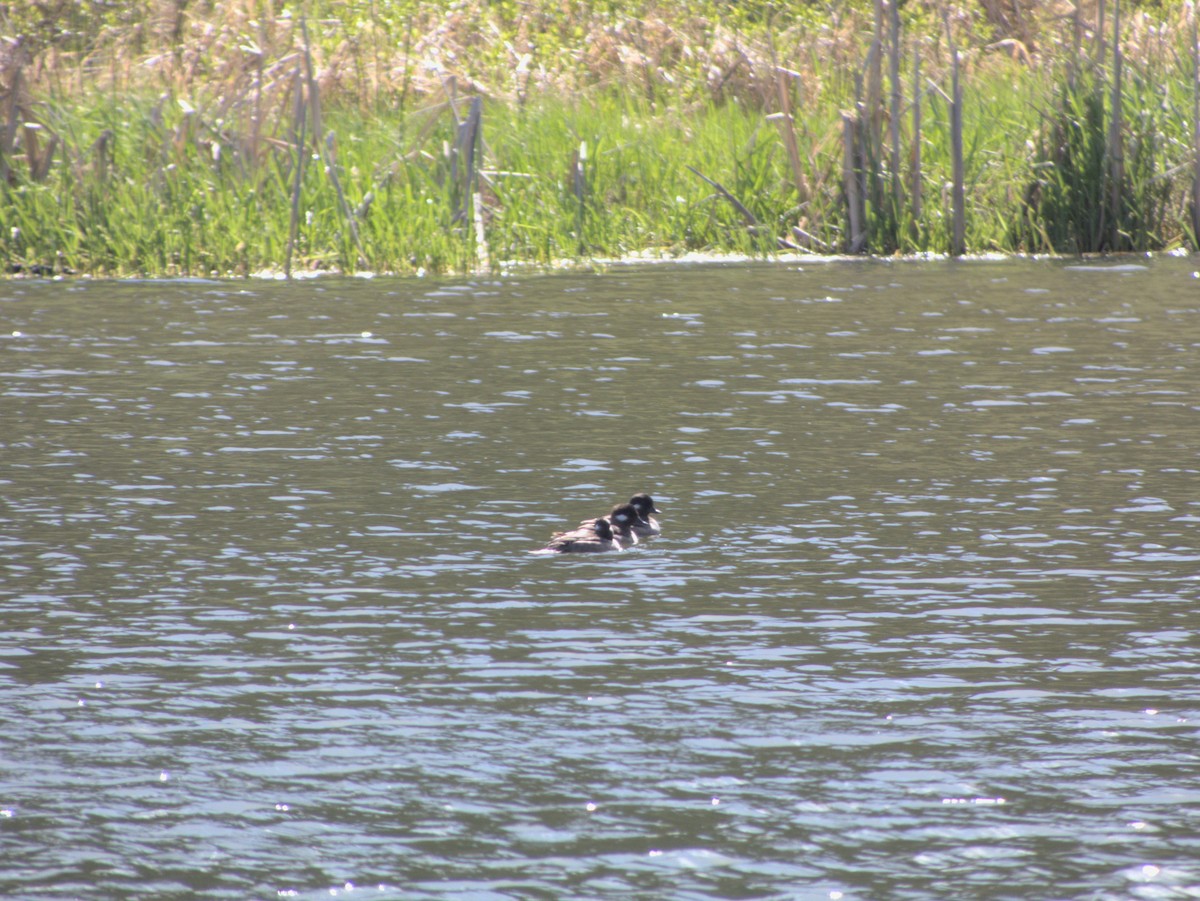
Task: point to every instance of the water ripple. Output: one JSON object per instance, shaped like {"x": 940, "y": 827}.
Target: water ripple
{"x": 921, "y": 615}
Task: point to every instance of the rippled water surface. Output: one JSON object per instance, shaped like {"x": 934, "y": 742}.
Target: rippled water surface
{"x": 922, "y": 622}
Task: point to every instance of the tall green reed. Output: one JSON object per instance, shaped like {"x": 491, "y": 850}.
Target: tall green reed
{"x": 1109, "y": 173}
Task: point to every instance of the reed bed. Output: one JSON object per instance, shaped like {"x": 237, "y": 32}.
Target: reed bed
{"x": 230, "y": 137}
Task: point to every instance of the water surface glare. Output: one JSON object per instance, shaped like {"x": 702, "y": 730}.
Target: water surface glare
{"x": 921, "y": 624}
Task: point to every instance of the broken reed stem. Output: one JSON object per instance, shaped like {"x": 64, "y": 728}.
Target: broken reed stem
{"x": 1195, "y": 132}
{"x": 787, "y": 130}
{"x": 40, "y": 159}
{"x": 465, "y": 145}
{"x": 99, "y": 153}
{"x": 255, "y": 141}
{"x": 750, "y": 219}
{"x": 474, "y": 129}
{"x": 299, "y": 121}
{"x": 8, "y": 141}
{"x": 958, "y": 238}
{"x": 481, "y": 246}
{"x": 469, "y": 203}
{"x": 915, "y": 163}
{"x": 787, "y": 123}
{"x": 874, "y": 104}
{"x": 1076, "y": 47}
{"x": 897, "y": 102}
{"x": 855, "y": 214}
{"x": 579, "y": 184}
{"x": 464, "y": 178}
{"x": 1116, "y": 154}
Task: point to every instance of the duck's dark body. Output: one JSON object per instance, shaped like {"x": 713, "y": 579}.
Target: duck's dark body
{"x": 592, "y": 538}
{"x": 632, "y": 522}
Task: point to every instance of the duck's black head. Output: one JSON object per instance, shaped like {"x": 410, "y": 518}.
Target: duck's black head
{"x": 603, "y": 529}
{"x": 623, "y": 516}
{"x": 644, "y": 504}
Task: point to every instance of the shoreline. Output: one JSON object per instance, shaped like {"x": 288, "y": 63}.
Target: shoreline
{"x": 632, "y": 262}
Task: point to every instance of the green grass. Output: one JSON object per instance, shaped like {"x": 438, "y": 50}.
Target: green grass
{"x": 161, "y": 206}
{"x": 196, "y": 178}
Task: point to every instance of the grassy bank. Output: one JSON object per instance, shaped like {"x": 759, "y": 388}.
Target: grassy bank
{"x": 232, "y": 137}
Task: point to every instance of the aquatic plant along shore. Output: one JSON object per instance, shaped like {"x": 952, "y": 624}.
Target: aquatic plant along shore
{"x": 235, "y": 137}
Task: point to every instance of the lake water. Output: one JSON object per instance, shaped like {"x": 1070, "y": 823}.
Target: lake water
{"x": 922, "y": 622}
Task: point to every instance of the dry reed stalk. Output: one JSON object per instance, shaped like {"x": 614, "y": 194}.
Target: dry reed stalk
{"x": 896, "y": 102}
{"x": 1195, "y": 131}
{"x": 787, "y": 123}
{"x": 299, "y": 125}
{"x": 99, "y": 154}
{"x": 37, "y": 157}
{"x": 1116, "y": 153}
{"x": 481, "y": 246}
{"x": 787, "y": 131}
{"x": 805, "y": 241}
{"x": 579, "y": 187}
{"x": 958, "y": 238}
{"x": 9, "y": 137}
{"x": 1101, "y": 43}
{"x": 255, "y": 142}
{"x": 874, "y": 104}
{"x": 1076, "y": 46}
{"x": 579, "y": 174}
{"x": 466, "y": 143}
{"x": 915, "y": 158}
{"x": 855, "y": 212}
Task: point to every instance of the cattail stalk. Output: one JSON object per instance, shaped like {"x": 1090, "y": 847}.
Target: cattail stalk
{"x": 466, "y": 140}
{"x": 1116, "y": 152}
{"x": 915, "y": 162}
{"x": 1195, "y": 132}
{"x": 850, "y": 177}
{"x": 9, "y": 137}
{"x": 959, "y": 232}
{"x": 787, "y": 131}
{"x": 579, "y": 185}
{"x": 787, "y": 123}
{"x": 300, "y": 122}
{"x": 896, "y": 103}
{"x": 469, "y": 141}
{"x": 874, "y": 104}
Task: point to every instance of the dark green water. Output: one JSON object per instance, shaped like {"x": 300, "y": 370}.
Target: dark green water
{"x": 922, "y": 622}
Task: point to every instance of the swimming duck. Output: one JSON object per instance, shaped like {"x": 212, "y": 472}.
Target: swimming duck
{"x": 646, "y": 526}
{"x": 632, "y": 522}
{"x": 592, "y": 538}
{"x": 623, "y": 522}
